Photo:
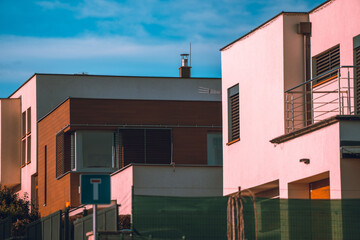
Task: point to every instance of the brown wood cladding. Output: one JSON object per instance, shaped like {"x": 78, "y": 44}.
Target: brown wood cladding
{"x": 189, "y": 143}
{"x": 189, "y": 146}
{"x": 142, "y": 112}
{"x": 58, "y": 191}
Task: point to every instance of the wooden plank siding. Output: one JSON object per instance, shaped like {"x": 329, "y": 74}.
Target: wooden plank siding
{"x": 145, "y": 112}
{"x": 58, "y": 191}
{"x": 187, "y": 120}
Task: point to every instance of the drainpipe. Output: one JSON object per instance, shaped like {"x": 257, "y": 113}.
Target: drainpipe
{"x": 304, "y": 28}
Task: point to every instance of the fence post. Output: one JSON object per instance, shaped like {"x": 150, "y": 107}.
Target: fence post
{"x": 66, "y": 224}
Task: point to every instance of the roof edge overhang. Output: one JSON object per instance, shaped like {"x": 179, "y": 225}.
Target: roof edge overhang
{"x": 267, "y": 22}
{"x": 23, "y": 84}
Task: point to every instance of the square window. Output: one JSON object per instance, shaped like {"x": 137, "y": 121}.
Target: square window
{"x": 95, "y": 149}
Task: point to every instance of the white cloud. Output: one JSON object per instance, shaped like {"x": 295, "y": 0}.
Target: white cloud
{"x": 54, "y": 5}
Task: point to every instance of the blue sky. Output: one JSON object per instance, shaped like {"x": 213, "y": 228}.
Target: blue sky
{"x": 130, "y": 37}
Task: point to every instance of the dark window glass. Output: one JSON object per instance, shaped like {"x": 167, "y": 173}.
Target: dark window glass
{"x": 233, "y": 113}
{"x": 152, "y": 146}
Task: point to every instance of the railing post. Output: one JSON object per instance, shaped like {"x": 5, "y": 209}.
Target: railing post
{"x": 349, "y": 93}
{"x": 339, "y": 97}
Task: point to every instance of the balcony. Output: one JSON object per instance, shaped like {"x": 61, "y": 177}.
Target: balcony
{"x": 329, "y": 94}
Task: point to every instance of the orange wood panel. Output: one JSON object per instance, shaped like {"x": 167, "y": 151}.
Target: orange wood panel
{"x": 320, "y": 189}
{"x": 57, "y": 191}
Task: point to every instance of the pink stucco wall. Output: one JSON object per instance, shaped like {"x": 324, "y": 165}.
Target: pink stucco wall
{"x": 257, "y": 66}
{"x": 121, "y": 189}
{"x": 337, "y": 22}
{"x": 265, "y": 63}
{"x": 27, "y": 93}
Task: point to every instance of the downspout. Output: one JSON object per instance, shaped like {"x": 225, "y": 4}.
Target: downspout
{"x": 304, "y": 28}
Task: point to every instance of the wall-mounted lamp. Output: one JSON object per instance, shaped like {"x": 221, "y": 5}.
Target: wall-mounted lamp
{"x": 305, "y": 160}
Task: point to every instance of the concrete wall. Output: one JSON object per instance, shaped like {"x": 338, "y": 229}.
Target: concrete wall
{"x": 9, "y": 142}
{"x": 178, "y": 181}
{"x": 161, "y": 180}
{"x": 350, "y": 168}
{"x": 27, "y": 94}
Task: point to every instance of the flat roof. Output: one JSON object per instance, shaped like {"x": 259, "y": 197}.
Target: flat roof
{"x": 112, "y": 76}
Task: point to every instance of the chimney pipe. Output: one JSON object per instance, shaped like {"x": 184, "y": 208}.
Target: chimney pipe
{"x": 185, "y": 69}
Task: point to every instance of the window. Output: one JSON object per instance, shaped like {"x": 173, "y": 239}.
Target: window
{"x": 233, "y": 114}
{"x": 109, "y": 150}
{"x": 26, "y": 137}
{"x": 63, "y": 153}
{"x": 151, "y": 146}
{"x": 95, "y": 149}
{"x": 23, "y": 124}
{"x": 324, "y": 63}
{"x": 214, "y": 149}
{"x": 28, "y": 114}
{"x": 23, "y": 152}
{"x": 34, "y": 191}
{"x": 28, "y": 151}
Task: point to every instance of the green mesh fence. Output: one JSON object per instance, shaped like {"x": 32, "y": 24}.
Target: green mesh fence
{"x": 218, "y": 218}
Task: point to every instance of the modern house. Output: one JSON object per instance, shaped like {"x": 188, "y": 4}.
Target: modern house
{"x": 291, "y": 105}
{"x": 154, "y": 135}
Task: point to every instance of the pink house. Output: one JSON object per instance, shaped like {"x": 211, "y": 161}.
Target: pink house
{"x": 291, "y": 105}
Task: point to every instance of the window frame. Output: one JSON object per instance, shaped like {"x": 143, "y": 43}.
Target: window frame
{"x": 233, "y": 100}
{"x": 25, "y": 148}
{"x": 331, "y": 55}
{"x": 75, "y": 149}
{"x": 146, "y": 146}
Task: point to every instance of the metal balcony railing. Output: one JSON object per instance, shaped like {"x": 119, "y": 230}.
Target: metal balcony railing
{"x": 329, "y": 94}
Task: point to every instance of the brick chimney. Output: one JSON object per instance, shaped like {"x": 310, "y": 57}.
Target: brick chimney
{"x": 185, "y": 69}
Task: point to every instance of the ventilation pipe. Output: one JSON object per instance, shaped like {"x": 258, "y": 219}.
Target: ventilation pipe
{"x": 185, "y": 69}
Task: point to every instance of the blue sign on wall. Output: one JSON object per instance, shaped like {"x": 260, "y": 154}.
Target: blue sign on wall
{"x": 95, "y": 189}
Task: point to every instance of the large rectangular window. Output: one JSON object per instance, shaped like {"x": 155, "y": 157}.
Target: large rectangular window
{"x": 151, "y": 146}
{"x": 95, "y": 149}
{"x": 324, "y": 63}
{"x": 109, "y": 150}
{"x": 233, "y": 114}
